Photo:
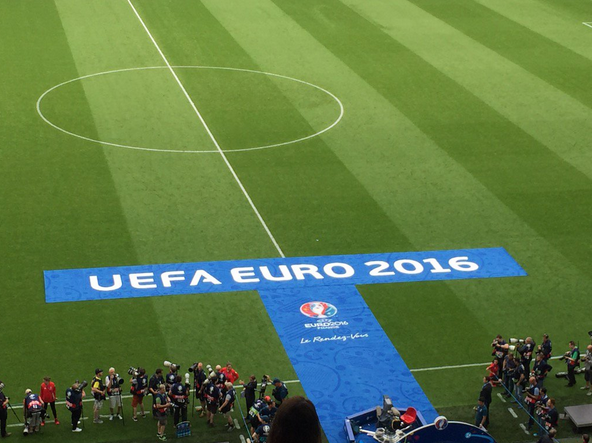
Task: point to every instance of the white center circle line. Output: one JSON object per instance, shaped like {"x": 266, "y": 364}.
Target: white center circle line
{"x": 139, "y": 148}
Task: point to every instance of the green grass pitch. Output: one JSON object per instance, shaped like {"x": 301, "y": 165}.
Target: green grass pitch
{"x": 467, "y": 124}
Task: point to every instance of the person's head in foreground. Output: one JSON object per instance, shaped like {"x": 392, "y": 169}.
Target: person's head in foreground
{"x": 296, "y": 421}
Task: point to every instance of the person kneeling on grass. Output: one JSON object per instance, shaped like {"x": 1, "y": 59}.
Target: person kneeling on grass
{"x": 161, "y": 406}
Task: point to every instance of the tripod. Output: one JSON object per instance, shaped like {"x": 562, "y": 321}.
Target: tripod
{"x": 15, "y": 414}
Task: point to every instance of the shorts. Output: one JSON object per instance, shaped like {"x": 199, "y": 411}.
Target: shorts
{"x": 588, "y": 375}
{"x": 114, "y": 401}
{"x": 226, "y": 409}
{"x": 162, "y": 421}
{"x": 98, "y": 404}
{"x": 137, "y": 400}
{"x": 212, "y": 407}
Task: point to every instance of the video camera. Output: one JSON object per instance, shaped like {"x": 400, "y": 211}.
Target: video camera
{"x": 173, "y": 366}
{"x": 265, "y": 380}
{"x": 133, "y": 371}
{"x": 388, "y": 416}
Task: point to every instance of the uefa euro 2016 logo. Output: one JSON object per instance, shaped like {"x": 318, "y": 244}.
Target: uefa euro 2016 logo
{"x": 318, "y": 309}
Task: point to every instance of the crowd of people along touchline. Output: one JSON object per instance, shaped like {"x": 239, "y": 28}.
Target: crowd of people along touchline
{"x": 521, "y": 370}
{"x": 171, "y": 397}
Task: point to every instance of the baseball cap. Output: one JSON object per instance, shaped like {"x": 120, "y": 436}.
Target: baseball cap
{"x": 98, "y": 371}
{"x": 276, "y": 380}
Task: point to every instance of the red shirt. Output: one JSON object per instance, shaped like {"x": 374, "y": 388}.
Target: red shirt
{"x": 231, "y": 375}
{"x": 48, "y": 392}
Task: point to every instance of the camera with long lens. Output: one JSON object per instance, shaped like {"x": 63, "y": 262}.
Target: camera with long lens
{"x": 174, "y": 366}
{"x": 81, "y": 386}
{"x": 564, "y": 356}
{"x": 193, "y": 367}
{"x": 1, "y": 386}
{"x": 119, "y": 379}
{"x": 133, "y": 371}
{"x": 516, "y": 344}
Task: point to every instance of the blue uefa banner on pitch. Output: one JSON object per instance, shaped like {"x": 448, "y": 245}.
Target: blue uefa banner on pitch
{"x": 276, "y": 273}
{"x": 343, "y": 358}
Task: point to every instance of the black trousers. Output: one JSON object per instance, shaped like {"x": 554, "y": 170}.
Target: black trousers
{"x": 53, "y": 410}
{"x": 180, "y": 412}
{"x": 486, "y": 424}
{"x": 571, "y": 376}
{"x": 3, "y": 417}
{"x": 75, "y": 417}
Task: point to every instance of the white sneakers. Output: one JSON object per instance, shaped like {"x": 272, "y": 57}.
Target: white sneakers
{"x": 77, "y": 430}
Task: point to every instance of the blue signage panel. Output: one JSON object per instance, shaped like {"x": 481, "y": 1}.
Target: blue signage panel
{"x": 276, "y": 273}
{"x": 343, "y": 358}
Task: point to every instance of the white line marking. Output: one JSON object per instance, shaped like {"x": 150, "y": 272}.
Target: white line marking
{"x": 589, "y": 24}
{"x": 526, "y": 431}
{"x": 511, "y": 411}
{"x": 470, "y": 365}
{"x": 205, "y": 125}
{"x": 139, "y": 148}
{"x": 501, "y": 397}
{"x": 242, "y": 438}
{"x": 236, "y": 425}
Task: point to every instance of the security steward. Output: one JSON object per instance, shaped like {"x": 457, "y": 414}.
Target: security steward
{"x": 280, "y": 392}
{"x": 32, "y": 411}
{"x": 74, "y": 396}
{"x": 179, "y": 395}
{"x": 4, "y": 400}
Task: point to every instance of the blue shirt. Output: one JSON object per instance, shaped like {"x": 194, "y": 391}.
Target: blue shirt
{"x": 481, "y": 412}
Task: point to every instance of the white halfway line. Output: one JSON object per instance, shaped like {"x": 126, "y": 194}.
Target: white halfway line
{"x": 589, "y": 24}
{"x": 246, "y": 194}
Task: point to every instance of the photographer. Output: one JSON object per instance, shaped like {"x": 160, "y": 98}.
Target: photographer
{"x": 269, "y": 409}
{"x": 500, "y": 350}
{"x": 199, "y": 377}
{"x": 519, "y": 380}
{"x": 525, "y": 352}
{"x": 171, "y": 376}
{"x": 161, "y": 405}
{"x": 532, "y": 397}
{"x": 113, "y": 382}
{"x": 588, "y": 370}
{"x": 546, "y": 347}
{"x": 540, "y": 369}
{"x": 253, "y": 414}
{"x": 32, "y": 412}
{"x": 261, "y": 434}
{"x": 227, "y": 405}
{"x": 552, "y": 416}
{"x": 48, "y": 396}
{"x": 139, "y": 388}
{"x": 154, "y": 387}
{"x": 572, "y": 358}
{"x": 280, "y": 391}
{"x": 4, "y": 401}
{"x": 74, "y": 396}
{"x": 508, "y": 369}
{"x": 541, "y": 409}
{"x": 179, "y": 395}
{"x": 212, "y": 395}
{"x": 249, "y": 391}
{"x": 98, "y": 391}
